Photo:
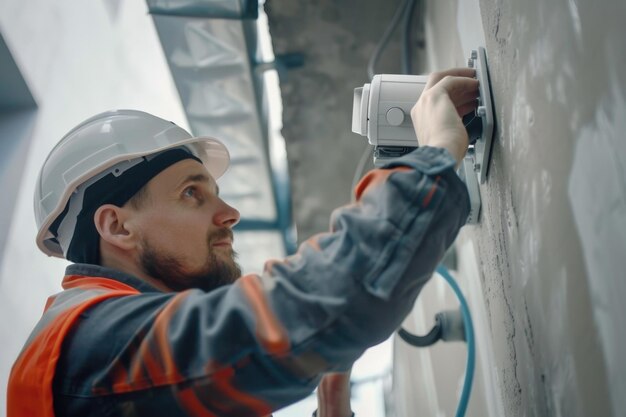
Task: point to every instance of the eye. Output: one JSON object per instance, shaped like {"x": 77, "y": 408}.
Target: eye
{"x": 190, "y": 192}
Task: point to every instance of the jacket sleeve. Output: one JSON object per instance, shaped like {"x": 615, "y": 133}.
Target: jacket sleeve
{"x": 265, "y": 341}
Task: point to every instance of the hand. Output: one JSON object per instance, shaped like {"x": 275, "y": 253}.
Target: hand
{"x": 447, "y": 97}
{"x": 333, "y": 395}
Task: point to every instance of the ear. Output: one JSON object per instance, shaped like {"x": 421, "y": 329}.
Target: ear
{"x": 112, "y": 223}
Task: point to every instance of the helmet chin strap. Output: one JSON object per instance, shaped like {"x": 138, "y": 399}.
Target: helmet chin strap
{"x": 65, "y": 232}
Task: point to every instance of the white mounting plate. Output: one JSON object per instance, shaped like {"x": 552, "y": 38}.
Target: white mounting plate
{"x": 482, "y": 147}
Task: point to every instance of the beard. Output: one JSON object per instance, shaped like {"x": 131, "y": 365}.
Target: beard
{"x": 216, "y": 272}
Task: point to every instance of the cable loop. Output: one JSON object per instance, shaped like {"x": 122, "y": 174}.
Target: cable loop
{"x": 429, "y": 339}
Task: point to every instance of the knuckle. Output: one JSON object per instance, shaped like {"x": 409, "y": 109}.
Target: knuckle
{"x": 427, "y": 96}
{"x": 436, "y": 75}
{"x": 416, "y": 109}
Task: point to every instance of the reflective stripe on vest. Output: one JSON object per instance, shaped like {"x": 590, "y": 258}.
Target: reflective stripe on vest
{"x": 30, "y": 383}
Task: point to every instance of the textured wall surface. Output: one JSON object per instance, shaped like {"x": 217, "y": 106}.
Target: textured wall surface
{"x": 552, "y": 240}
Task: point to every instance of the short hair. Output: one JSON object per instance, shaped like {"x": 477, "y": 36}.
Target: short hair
{"x": 139, "y": 200}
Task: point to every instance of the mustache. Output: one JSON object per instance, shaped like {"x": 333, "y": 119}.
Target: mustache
{"x": 220, "y": 234}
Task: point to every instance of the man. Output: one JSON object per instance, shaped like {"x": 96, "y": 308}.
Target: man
{"x": 155, "y": 319}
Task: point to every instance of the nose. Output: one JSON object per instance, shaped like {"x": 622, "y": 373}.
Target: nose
{"x": 226, "y": 216}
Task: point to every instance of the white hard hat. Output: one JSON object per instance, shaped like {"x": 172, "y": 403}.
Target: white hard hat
{"x": 99, "y": 146}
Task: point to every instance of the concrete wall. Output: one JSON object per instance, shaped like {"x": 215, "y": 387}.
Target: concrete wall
{"x": 553, "y": 235}
{"x": 553, "y": 227}
{"x": 550, "y": 245}
{"x": 78, "y": 58}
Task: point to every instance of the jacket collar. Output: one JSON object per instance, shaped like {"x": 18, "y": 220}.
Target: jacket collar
{"x": 91, "y": 270}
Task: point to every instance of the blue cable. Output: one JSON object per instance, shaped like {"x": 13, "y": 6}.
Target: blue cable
{"x": 469, "y": 338}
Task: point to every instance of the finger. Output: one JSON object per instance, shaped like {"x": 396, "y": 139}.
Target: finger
{"x": 435, "y": 77}
{"x": 470, "y": 100}
{"x": 458, "y": 88}
{"x": 469, "y": 95}
{"x": 466, "y": 108}
{"x": 466, "y": 98}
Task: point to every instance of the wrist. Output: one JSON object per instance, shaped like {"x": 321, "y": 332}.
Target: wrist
{"x": 456, "y": 153}
{"x": 318, "y": 414}
{"x": 334, "y": 405}
{"x": 333, "y": 396}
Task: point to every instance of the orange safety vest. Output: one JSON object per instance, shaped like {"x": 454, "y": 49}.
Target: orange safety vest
{"x": 30, "y": 383}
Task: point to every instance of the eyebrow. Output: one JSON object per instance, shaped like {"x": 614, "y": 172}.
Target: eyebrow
{"x": 198, "y": 178}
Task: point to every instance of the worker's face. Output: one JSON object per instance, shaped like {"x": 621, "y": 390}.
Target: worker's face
{"x": 185, "y": 230}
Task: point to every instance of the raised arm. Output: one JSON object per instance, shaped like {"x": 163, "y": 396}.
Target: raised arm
{"x": 267, "y": 340}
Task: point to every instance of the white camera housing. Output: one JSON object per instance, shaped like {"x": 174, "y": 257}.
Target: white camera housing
{"x": 382, "y": 109}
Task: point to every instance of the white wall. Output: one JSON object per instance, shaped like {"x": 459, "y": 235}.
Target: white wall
{"x": 79, "y": 58}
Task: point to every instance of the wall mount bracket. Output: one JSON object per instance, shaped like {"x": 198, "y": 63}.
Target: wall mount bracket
{"x": 482, "y": 146}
